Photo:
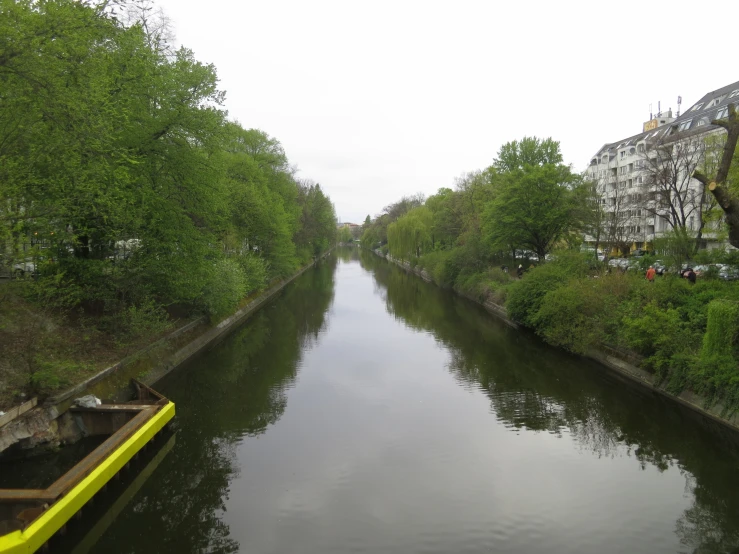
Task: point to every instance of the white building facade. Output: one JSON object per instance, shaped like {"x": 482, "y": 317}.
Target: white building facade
{"x": 643, "y": 183}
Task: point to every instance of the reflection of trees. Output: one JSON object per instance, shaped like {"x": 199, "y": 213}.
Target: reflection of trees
{"x": 347, "y": 253}
{"x": 532, "y": 386}
{"x": 236, "y": 389}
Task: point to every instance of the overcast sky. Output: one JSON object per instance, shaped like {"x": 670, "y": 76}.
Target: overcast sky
{"x": 376, "y": 100}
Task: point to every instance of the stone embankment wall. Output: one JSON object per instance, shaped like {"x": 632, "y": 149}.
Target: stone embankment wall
{"x": 620, "y": 362}
{"x": 51, "y": 424}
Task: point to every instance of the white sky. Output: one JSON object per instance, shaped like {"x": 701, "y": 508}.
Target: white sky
{"x": 376, "y": 100}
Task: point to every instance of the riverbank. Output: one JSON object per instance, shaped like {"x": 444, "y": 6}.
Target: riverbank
{"x": 621, "y": 362}
{"x": 49, "y": 425}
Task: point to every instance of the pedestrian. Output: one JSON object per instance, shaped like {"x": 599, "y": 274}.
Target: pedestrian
{"x": 519, "y": 271}
{"x": 651, "y": 273}
{"x": 690, "y": 275}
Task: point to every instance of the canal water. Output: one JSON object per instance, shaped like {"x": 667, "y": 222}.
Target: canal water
{"x": 365, "y": 411}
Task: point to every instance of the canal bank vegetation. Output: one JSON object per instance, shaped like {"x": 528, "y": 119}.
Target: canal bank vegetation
{"x": 528, "y": 210}
{"x": 128, "y": 199}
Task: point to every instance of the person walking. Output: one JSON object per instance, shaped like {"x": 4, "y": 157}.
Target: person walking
{"x": 651, "y": 273}
{"x": 690, "y": 275}
{"x": 519, "y": 271}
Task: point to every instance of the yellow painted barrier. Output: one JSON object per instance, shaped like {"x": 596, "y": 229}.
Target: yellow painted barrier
{"x": 43, "y": 528}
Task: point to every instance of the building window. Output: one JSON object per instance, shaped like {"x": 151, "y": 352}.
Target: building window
{"x": 701, "y": 122}
{"x": 722, "y": 113}
{"x": 697, "y": 107}
{"x": 631, "y": 168}
{"x": 640, "y": 149}
{"x": 734, "y": 93}
{"x": 685, "y": 125}
{"x": 623, "y": 154}
{"x": 690, "y": 222}
{"x": 631, "y": 183}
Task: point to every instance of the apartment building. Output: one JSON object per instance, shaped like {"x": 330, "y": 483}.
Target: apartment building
{"x": 644, "y": 182}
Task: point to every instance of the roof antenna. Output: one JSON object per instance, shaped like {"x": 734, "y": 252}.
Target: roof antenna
{"x": 679, "y": 101}
{"x": 659, "y": 108}
{"x": 650, "y": 113}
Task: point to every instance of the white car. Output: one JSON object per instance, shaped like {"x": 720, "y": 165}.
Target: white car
{"x": 24, "y": 268}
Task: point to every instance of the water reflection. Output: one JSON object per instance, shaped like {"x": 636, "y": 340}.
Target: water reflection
{"x": 535, "y": 388}
{"x": 234, "y": 391}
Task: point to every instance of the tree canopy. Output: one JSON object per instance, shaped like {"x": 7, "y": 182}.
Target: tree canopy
{"x": 110, "y": 137}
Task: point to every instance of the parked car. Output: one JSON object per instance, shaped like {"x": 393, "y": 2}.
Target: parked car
{"x": 728, "y": 273}
{"x": 25, "y": 268}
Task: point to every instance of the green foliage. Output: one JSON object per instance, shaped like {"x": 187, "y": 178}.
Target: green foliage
{"x": 528, "y": 152}
{"x": 344, "y": 234}
{"x": 578, "y": 315}
{"x": 658, "y": 334}
{"x": 411, "y": 235}
{"x": 718, "y": 372}
{"x": 675, "y": 247}
{"x": 122, "y": 174}
{"x": 225, "y": 288}
{"x": 146, "y": 319}
{"x": 255, "y": 272}
{"x": 537, "y": 200}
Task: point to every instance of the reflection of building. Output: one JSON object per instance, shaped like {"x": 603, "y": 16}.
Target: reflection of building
{"x": 644, "y": 182}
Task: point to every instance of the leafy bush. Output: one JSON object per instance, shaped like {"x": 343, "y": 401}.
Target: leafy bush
{"x": 717, "y": 374}
{"x": 146, "y": 319}
{"x": 526, "y": 295}
{"x": 255, "y": 270}
{"x": 578, "y": 315}
{"x": 225, "y": 288}
{"x": 663, "y": 336}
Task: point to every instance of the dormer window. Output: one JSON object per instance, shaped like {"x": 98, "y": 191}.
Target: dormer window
{"x": 734, "y": 93}
{"x": 722, "y": 113}
{"x": 685, "y": 125}
{"x": 697, "y": 107}
{"x": 715, "y": 102}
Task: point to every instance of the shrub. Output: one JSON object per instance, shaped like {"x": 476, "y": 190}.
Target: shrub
{"x": 578, "y": 315}
{"x": 718, "y": 373}
{"x": 146, "y": 319}
{"x": 226, "y": 286}
{"x": 661, "y": 335}
{"x": 255, "y": 272}
{"x": 526, "y": 295}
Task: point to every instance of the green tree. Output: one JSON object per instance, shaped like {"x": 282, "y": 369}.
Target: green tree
{"x": 537, "y": 199}
{"x": 411, "y": 235}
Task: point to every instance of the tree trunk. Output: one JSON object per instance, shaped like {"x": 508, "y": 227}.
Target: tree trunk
{"x": 728, "y": 202}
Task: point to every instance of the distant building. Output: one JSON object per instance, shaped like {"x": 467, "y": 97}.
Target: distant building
{"x": 644, "y": 182}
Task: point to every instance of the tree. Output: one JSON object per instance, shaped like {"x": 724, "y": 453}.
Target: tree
{"x": 720, "y": 186}
{"x": 668, "y": 188}
{"x": 529, "y": 151}
{"x": 411, "y": 235}
{"x": 536, "y": 201}
{"x": 344, "y": 234}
